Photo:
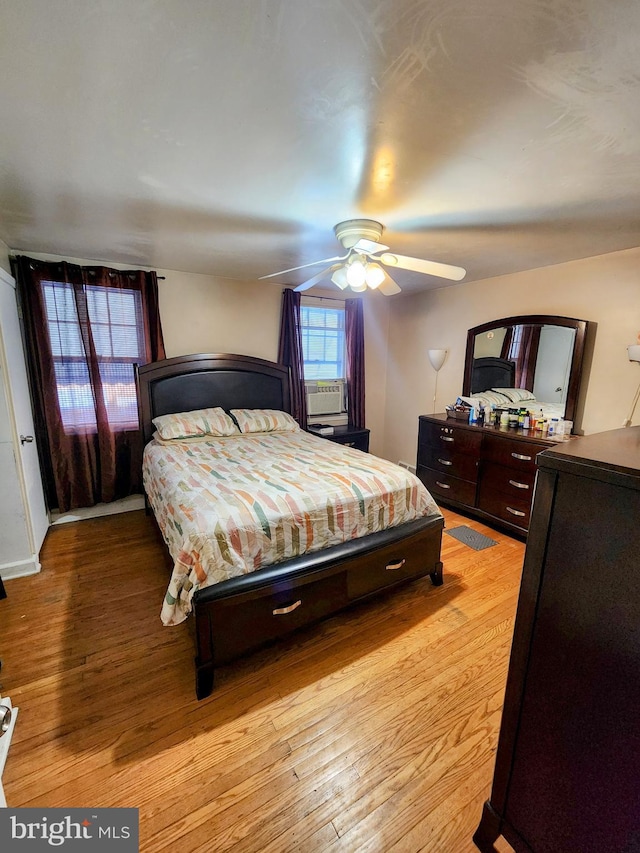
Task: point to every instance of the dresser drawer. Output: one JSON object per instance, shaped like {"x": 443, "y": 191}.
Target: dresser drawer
{"x": 450, "y": 437}
{"x": 452, "y": 462}
{"x": 446, "y": 486}
{"x": 520, "y": 455}
{"x": 512, "y": 509}
{"x": 511, "y": 482}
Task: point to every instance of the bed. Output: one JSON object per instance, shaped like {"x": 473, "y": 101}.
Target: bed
{"x": 498, "y": 374}
{"x": 267, "y": 600}
{"x": 492, "y": 372}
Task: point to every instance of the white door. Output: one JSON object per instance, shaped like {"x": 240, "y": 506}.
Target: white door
{"x": 555, "y": 352}
{"x": 19, "y": 404}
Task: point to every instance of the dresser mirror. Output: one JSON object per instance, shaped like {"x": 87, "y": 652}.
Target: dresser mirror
{"x": 537, "y": 352}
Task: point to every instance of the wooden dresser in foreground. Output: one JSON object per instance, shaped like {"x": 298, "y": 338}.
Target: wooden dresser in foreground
{"x": 567, "y": 776}
{"x": 488, "y": 471}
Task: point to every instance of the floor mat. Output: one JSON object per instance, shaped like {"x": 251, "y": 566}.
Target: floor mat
{"x": 475, "y": 540}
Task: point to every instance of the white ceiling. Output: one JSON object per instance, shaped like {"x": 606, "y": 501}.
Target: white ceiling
{"x": 229, "y": 137}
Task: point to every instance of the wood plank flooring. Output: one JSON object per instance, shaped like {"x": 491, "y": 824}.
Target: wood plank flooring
{"x": 372, "y": 731}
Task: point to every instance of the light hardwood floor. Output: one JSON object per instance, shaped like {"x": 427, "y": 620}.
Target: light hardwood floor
{"x": 372, "y": 731}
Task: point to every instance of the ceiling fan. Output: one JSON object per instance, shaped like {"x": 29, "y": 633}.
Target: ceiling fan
{"x": 361, "y": 266}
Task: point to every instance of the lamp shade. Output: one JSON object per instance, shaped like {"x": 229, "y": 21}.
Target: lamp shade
{"x": 437, "y": 357}
{"x": 340, "y": 278}
{"x": 375, "y": 275}
{"x": 634, "y": 352}
{"x": 356, "y": 275}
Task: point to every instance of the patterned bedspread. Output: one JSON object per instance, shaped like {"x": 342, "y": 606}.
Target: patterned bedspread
{"x": 227, "y": 506}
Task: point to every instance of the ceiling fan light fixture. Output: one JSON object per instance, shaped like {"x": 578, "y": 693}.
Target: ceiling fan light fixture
{"x": 340, "y": 278}
{"x": 357, "y": 275}
{"x": 374, "y": 275}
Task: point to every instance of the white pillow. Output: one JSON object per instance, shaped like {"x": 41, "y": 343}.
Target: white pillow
{"x": 264, "y": 420}
{"x": 486, "y": 398}
{"x": 515, "y": 395}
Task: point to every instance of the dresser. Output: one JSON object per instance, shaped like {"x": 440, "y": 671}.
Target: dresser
{"x": 567, "y": 776}
{"x": 488, "y": 471}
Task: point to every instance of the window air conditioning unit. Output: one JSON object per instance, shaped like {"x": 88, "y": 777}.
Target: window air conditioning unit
{"x": 325, "y": 398}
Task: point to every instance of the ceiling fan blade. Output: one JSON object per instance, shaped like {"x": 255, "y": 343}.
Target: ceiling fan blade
{"x": 388, "y": 286}
{"x": 304, "y": 266}
{"x": 316, "y": 278}
{"x": 403, "y": 262}
{"x": 369, "y": 246}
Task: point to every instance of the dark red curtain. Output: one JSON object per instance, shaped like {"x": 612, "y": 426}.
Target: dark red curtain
{"x": 506, "y": 343}
{"x": 527, "y": 357}
{"x": 85, "y": 329}
{"x": 354, "y": 338}
{"x": 521, "y": 346}
{"x": 290, "y": 353}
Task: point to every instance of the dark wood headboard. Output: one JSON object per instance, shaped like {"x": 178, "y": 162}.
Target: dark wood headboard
{"x": 205, "y": 380}
{"x": 491, "y": 372}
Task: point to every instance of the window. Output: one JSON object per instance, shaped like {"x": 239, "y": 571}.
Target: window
{"x": 323, "y": 341}
{"x": 515, "y": 345}
{"x": 117, "y": 330}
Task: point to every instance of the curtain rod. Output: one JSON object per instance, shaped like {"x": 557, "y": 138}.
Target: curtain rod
{"x": 325, "y": 298}
{"x": 13, "y": 258}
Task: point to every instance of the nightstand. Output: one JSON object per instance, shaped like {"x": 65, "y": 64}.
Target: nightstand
{"x": 348, "y": 435}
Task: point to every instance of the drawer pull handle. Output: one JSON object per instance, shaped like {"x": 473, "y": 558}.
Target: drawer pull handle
{"x": 445, "y": 462}
{"x": 521, "y": 456}
{"x": 281, "y": 611}
{"x": 392, "y": 567}
{"x": 442, "y": 485}
{"x": 518, "y": 485}
{"x": 5, "y": 718}
{"x": 516, "y": 512}
{"x": 447, "y": 438}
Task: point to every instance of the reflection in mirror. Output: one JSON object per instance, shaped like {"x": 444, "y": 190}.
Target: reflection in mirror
{"x": 539, "y": 353}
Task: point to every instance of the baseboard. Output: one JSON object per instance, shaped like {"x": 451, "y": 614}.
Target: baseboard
{"x": 20, "y": 569}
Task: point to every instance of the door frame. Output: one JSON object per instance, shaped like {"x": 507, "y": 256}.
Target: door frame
{"x": 31, "y": 565}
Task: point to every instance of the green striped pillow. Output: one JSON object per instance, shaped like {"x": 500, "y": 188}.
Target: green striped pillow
{"x": 264, "y": 420}
{"x": 197, "y": 423}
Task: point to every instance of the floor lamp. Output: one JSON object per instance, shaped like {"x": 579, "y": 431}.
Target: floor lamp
{"x": 436, "y": 357}
{"x": 634, "y": 355}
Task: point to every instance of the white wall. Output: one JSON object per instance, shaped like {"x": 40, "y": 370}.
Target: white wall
{"x": 202, "y": 313}
{"x": 603, "y": 289}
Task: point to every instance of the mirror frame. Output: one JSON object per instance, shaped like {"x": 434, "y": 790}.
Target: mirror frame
{"x": 575, "y": 371}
